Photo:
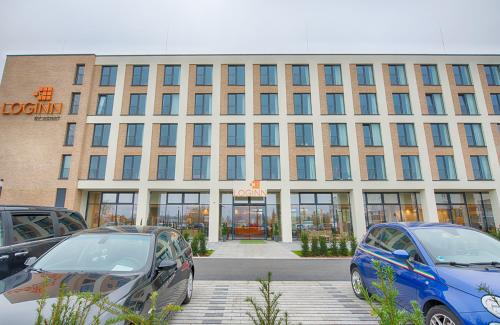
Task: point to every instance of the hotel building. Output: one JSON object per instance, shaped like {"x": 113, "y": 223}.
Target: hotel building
{"x": 255, "y": 144}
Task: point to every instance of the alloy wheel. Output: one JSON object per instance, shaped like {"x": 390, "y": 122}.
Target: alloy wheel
{"x": 190, "y": 285}
{"x": 441, "y": 319}
{"x": 356, "y": 282}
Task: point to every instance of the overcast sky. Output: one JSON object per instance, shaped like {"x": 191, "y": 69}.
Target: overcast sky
{"x": 249, "y": 26}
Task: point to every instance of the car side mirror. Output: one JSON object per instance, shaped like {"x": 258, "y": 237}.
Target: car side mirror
{"x": 167, "y": 265}
{"x": 401, "y": 254}
{"x": 30, "y": 261}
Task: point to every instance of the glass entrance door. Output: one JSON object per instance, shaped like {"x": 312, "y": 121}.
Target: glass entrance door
{"x": 249, "y": 222}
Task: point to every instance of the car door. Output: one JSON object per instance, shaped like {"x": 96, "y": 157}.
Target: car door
{"x": 183, "y": 266}
{"x": 4, "y": 250}
{"x": 164, "y": 280}
{"x": 366, "y": 259}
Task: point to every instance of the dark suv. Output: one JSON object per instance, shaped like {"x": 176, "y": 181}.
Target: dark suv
{"x": 27, "y": 231}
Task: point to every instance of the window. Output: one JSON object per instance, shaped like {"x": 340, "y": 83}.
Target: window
{"x": 406, "y": 135}
{"x": 168, "y": 135}
{"x": 302, "y": 104}
{"x": 430, "y": 74}
{"x": 203, "y": 75}
{"x": 236, "y": 104}
{"x": 203, "y": 104}
{"x": 338, "y": 134}
{"x": 376, "y": 167}
{"x": 137, "y": 104}
{"x": 271, "y": 167}
{"x": 166, "y": 167}
{"x": 470, "y": 209}
{"x": 335, "y": 104}
{"x": 440, "y": 135}
{"x": 140, "y": 75}
{"x": 411, "y": 168}
{"x": 270, "y": 135}
{"x": 492, "y": 74}
{"x": 341, "y": 168}
{"x": 300, "y": 75}
{"x": 365, "y": 74}
{"x": 446, "y": 167}
{"x": 108, "y": 75}
{"x": 131, "y": 167}
{"x": 467, "y": 104}
{"x": 435, "y": 104}
{"x": 75, "y": 104}
{"x": 80, "y": 70}
{"x": 304, "y": 135}
{"x": 235, "y": 167}
{"x": 372, "y": 135}
{"x": 60, "y": 198}
{"x": 65, "y": 165}
{"x": 392, "y": 207}
{"x": 268, "y": 75}
{"x": 170, "y": 104}
{"x": 368, "y": 103}
{"x": 462, "y": 77}
{"x": 105, "y": 104}
{"x": 269, "y": 104}
{"x": 134, "y": 135}
{"x": 397, "y": 74}
{"x": 70, "y": 134}
{"x": 171, "y": 76}
{"x": 101, "y": 135}
{"x": 401, "y": 104}
{"x": 201, "y": 167}
{"x": 97, "y": 167}
{"x": 474, "y": 134}
{"x": 31, "y": 227}
{"x": 333, "y": 75}
{"x": 306, "y": 169}
{"x": 69, "y": 222}
{"x": 236, "y": 135}
{"x": 202, "y": 135}
{"x": 495, "y": 101}
{"x": 236, "y": 75}
{"x": 480, "y": 167}
{"x": 105, "y": 208}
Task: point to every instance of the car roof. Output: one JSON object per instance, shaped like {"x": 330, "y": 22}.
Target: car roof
{"x": 30, "y": 207}
{"x": 416, "y": 225}
{"x": 127, "y": 230}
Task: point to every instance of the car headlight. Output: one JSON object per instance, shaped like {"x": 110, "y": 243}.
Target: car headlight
{"x": 492, "y": 304}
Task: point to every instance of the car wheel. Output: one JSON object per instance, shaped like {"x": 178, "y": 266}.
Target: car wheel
{"x": 357, "y": 282}
{"x": 189, "y": 289}
{"x": 441, "y": 315}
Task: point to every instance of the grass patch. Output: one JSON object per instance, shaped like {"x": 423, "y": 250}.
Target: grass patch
{"x": 252, "y": 241}
{"x": 209, "y": 252}
{"x": 298, "y": 253}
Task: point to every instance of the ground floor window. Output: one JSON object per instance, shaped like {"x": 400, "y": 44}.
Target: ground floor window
{"x": 392, "y": 207}
{"x": 321, "y": 214}
{"x": 469, "y": 209}
{"x": 183, "y": 211}
{"x": 111, "y": 208}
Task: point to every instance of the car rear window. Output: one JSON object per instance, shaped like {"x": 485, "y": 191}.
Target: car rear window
{"x": 70, "y": 222}
{"x": 28, "y": 227}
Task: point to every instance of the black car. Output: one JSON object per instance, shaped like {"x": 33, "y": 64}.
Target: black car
{"x": 30, "y": 231}
{"x": 125, "y": 264}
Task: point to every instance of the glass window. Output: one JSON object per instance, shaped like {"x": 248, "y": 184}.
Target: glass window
{"x": 131, "y": 167}
{"x": 411, "y": 168}
{"x": 401, "y": 104}
{"x": 137, "y": 104}
{"x": 302, "y": 104}
{"x": 105, "y": 104}
{"x": 235, "y": 167}
{"x": 97, "y": 167}
{"x": 430, "y": 74}
{"x": 60, "y": 199}
{"x": 304, "y": 135}
{"x": 236, "y": 104}
{"x": 271, "y": 168}
{"x": 75, "y": 104}
{"x": 203, "y": 75}
{"x": 140, "y": 75}
{"x": 440, "y": 135}
{"x": 236, "y": 75}
{"x": 65, "y": 165}
{"x": 333, "y": 75}
{"x": 446, "y": 167}
{"x": 461, "y": 73}
{"x": 474, "y": 134}
{"x": 375, "y": 167}
{"x": 269, "y": 104}
{"x": 70, "y": 134}
{"x": 236, "y": 135}
{"x": 341, "y": 168}
{"x": 435, "y": 104}
{"x": 201, "y": 167}
{"x": 397, "y": 74}
{"x": 172, "y": 73}
{"x": 203, "y": 104}
{"x": 306, "y": 169}
{"x": 392, "y": 207}
{"x": 168, "y": 135}
{"x": 406, "y": 135}
{"x": 134, "y": 135}
{"x": 31, "y": 227}
{"x": 480, "y": 167}
{"x": 495, "y": 102}
{"x": 365, "y": 74}
{"x": 70, "y": 222}
{"x": 468, "y": 104}
{"x": 368, "y": 103}
{"x": 492, "y": 74}
{"x": 101, "y": 135}
{"x": 170, "y": 104}
{"x": 338, "y": 134}
{"x": 300, "y": 74}
{"x": 335, "y": 104}
{"x": 270, "y": 135}
{"x": 80, "y": 70}
{"x": 108, "y": 75}
{"x": 268, "y": 75}
{"x": 202, "y": 135}
{"x": 166, "y": 167}
{"x": 372, "y": 135}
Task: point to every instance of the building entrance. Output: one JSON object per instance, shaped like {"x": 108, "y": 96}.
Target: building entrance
{"x": 249, "y": 222}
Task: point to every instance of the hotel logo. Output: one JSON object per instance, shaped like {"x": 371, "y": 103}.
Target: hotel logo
{"x": 253, "y": 191}
{"x": 44, "y": 109}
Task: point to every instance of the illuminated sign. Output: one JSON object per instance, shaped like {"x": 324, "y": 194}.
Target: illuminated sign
{"x": 44, "y": 109}
{"x": 253, "y": 191}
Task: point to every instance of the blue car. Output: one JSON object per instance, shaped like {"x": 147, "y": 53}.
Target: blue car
{"x": 440, "y": 266}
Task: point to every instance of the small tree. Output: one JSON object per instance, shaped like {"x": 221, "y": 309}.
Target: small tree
{"x": 195, "y": 245}
{"x": 186, "y": 236}
{"x": 276, "y": 232}
{"x": 203, "y": 244}
{"x": 495, "y": 233}
{"x": 353, "y": 243}
{"x": 343, "y": 250}
{"x": 315, "y": 246}
{"x": 335, "y": 248}
{"x": 323, "y": 246}
{"x": 224, "y": 231}
{"x": 305, "y": 244}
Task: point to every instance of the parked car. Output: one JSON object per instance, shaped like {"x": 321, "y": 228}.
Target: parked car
{"x": 125, "y": 264}
{"x": 30, "y": 231}
{"x": 440, "y": 266}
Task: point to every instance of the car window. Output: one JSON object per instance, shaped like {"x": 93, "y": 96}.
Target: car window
{"x": 399, "y": 240}
{"x": 31, "y": 227}
{"x": 176, "y": 242}
{"x": 163, "y": 249}
{"x": 372, "y": 236}
{"x": 1, "y": 231}
{"x": 383, "y": 238}
{"x": 70, "y": 222}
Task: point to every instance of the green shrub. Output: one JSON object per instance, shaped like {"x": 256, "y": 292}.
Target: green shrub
{"x": 224, "y": 231}
{"x": 305, "y": 244}
{"x": 323, "y": 246}
{"x": 203, "y": 243}
{"x": 195, "y": 245}
{"x": 495, "y": 233}
{"x": 343, "y": 250}
{"x": 334, "y": 247}
{"x": 186, "y": 236}
{"x": 353, "y": 243}
{"x": 314, "y": 247}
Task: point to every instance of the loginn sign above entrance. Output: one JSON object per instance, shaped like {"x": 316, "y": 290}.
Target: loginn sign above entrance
{"x": 43, "y": 110}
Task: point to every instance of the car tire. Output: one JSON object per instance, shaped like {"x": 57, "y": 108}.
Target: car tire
{"x": 356, "y": 281}
{"x": 440, "y": 314}
{"x": 189, "y": 289}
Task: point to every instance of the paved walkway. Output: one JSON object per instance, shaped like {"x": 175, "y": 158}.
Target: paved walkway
{"x": 311, "y": 302}
{"x": 262, "y": 249}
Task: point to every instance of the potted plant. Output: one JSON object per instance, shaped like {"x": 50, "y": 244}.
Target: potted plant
{"x": 276, "y": 232}
{"x": 224, "y": 231}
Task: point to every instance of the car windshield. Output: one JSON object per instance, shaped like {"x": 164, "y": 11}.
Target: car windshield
{"x": 459, "y": 245}
{"x": 98, "y": 253}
